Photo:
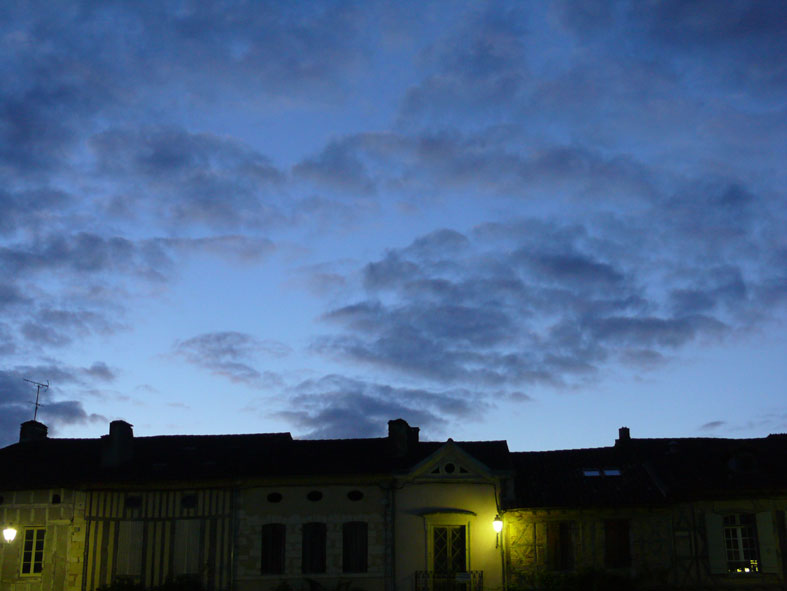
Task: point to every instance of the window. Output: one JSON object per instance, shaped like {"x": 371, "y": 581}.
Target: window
{"x": 128, "y": 560}
{"x": 740, "y": 541}
{"x": 273, "y": 538}
{"x": 185, "y": 556}
{"x": 560, "y": 545}
{"x": 188, "y": 501}
{"x": 313, "y": 548}
{"x": 33, "y": 551}
{"x": 355, "y": 535}
{"x": 617, "y": 551}
{"x": 449, "y": 549}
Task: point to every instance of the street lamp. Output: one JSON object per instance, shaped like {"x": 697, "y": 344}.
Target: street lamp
{"x": 9, "y": 533}
{"x": 497, "y": 525}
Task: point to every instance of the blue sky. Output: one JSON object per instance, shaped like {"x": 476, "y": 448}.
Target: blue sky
{"x": 532, "y": 221}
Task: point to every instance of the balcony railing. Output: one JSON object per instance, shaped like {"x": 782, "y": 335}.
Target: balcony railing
{"x": 428, "y": 580}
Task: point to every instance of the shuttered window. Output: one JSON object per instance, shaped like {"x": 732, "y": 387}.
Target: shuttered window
{"x": 355, "y": 547}
{"x": 273, "y": 539}
{"x": 313, "y": 548}
{"x": 617, "y": 546}
{"x": 560, "y": 545}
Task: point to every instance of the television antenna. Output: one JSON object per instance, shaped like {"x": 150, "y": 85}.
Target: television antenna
{"x": 38, "y": 393}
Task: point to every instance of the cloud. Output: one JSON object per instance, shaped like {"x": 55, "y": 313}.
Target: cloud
{"x": 200, "y": 179}
{"x": 229, "y": 354}
{"x": 17, "y": 397}
{"x": 712, "y": 425}
{"x": 335, "y": 406}
{"x": 539, "y": 302}
{"x": 476, "y": 67}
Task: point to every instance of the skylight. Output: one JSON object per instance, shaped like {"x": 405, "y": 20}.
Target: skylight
{"x": 592, "y": 472}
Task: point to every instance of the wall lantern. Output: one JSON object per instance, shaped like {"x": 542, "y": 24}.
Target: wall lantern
{"x": 497, "y": 524}
{"x": 9, "y": 533}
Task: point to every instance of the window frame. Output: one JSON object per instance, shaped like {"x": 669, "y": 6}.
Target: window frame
{"x": 38, "y": 536}
{"x": 741, "y": 528}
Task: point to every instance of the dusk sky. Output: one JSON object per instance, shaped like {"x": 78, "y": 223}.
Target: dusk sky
{"x": 532, "y": 221}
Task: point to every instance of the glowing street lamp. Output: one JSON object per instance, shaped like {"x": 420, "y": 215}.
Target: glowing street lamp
{"x": 497, "y": 524}
{"x": 9, "y": 534}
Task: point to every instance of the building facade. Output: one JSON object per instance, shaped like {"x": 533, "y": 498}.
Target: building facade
{"x": 269, "y": 512}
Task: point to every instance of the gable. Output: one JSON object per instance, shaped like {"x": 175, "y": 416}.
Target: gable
{"x": 450, "y": 463}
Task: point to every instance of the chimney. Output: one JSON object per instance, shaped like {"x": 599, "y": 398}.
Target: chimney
{"x": 624, "y": 436}
{"x": 401, "y": 437}
{"x": 32, "y": 431}
{"x": 118, "y": 447}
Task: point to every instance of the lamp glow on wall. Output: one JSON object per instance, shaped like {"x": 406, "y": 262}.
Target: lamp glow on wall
{"x": 497, "y": 525}
{"x": 9, "y": 533}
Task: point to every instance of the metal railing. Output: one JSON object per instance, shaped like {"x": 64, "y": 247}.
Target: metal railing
{"x": 429, "y": 580}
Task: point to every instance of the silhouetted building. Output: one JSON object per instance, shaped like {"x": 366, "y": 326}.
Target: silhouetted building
{"x": 269, "y": 512}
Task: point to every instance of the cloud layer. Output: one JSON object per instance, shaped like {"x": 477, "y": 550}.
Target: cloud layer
{"x": 407, "y": 209}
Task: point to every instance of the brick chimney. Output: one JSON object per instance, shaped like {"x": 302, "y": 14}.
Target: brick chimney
{"x": 32, "y": 431}
{"x": 401, "y": 437}
{"x": 117, "y": 448}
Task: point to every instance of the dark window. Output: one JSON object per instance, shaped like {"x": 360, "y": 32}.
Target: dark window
{"x": 355, "y": 547}
{"x": 133, "y": 502}
{"x": 274, "y": 497}
{"x": 55, "y": 499}
{"x": 273, "y": 538}
{"x": 355, "y": 495}
{"x": 313, "y": 547}
{"x": 560, "y": 550}
{"x": 33, "y": 551}
{"x": 188, "y": 501}
{"x": 740, "y": 541}
{"x": 617, "y": 551}
{"x": 314, "y": 495}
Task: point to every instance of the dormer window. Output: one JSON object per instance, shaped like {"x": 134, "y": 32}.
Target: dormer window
{"x": 596, "y": 472}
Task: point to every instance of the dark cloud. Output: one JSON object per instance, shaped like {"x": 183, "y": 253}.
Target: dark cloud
{"x": 477, "y": 67}
{"x": 536, "y": 302}
{"x": 335, "y": 406}
{"x": 712, "y": 425}
{"x": 17, "y": 397}
{"x": 488, "y": 161}
{"x": 200, "y": 179}
{"x": 230, "y": 354}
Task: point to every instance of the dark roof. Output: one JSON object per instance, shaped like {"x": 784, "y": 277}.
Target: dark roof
{"x": 78, "y": 462}
{"x": 652, "y": 471}
{"x": 714, "y": 467}
{"x": 558, "y": 479}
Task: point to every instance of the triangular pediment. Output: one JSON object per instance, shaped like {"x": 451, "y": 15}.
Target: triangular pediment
{"x": 450, "y": 463}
